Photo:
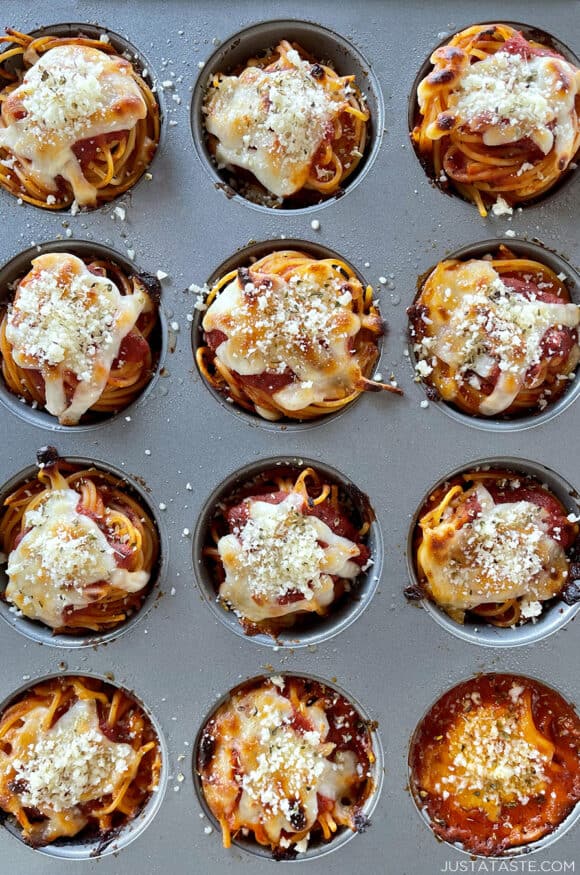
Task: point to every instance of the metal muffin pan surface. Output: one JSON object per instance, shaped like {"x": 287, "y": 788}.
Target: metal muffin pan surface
{"x": 180, "y": 443}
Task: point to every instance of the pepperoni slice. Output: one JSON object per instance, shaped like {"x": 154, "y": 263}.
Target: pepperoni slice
{"x": 530, "y": 290}
{"x": 518, "y": 45}
{"x": 336, "y": 521}
{"x": 267, "y": 381}
{"x": 558, "y": 342}
{"x": 134, "y": 348}
{"x": 86, "y": 150}
{"x": 558, "y": 526}
{"x": 215, "y": 338}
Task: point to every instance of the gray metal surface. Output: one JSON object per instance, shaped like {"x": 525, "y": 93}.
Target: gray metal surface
{"x": 180, "y": 658}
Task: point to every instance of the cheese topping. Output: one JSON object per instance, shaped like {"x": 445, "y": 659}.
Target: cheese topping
{"x": 282, "y": 770}
{"x": 504, "y": 553}
{"x": 492, "y": 762}
{"x": 72, "y": 93}
{"x": 64, "y": 321}
{"x": 477, "y": 322}
{"x": 72, "y": 762}
{"x": 279, "y": 552}
{"x": 60, "y": 559}
{"x": 512, "y": 98}
{"x": 273, "y": 123}
{"x": 298, "y": 325}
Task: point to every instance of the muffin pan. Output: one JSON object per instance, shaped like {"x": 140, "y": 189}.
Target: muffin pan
{"x": 180, "y": 443}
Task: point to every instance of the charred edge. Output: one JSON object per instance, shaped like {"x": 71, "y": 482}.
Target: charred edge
{"x": 431, "y": 392}
{"x": 152, "y": 285}
{"x": 281, "y": 854}
{"x": 450, "y": 53}
{"x": 416, "y": 311}
{"x": 571, "y": 592}
{"x": 361, "y": 502}
{"x": 361, "y": 822}
{"x": 445, "y": 122}
{"x": 206, "y": 751}
{"x": 414, "y": 592}
{"x": 227, "y": 189}
{"x": 47, "y": 456}
{"x": 298, "y": 818}
{"x": 142, "y": 482}
{"x": 105, "y": 841}
{"x": 440, "y": 77}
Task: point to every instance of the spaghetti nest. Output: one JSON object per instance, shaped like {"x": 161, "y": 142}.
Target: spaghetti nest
{"x": 494, "y": 764}
{"x": 498, "y": 116}
{"x": 78, "y": 758}
{"x": 288, "y": 761}
{"x": 495, "y": 338}
{"x": 107, "y": 158}
{"x": 82, "y": 551}
{"x": 130, "y": 372}
{"x": 495, "y": 546}
{"x": 286, "y": 548}
{"x": 292, "y": 129}
{"x": 291, "y": 337}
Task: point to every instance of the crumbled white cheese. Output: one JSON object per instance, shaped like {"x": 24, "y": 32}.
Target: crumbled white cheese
{"x": 491, "y": 757}
{"x": 280, "y": 552}
{"x": 530, "y": 608}
{"x": 66, "y": 318}
{"x": 273, "y": 122}
{"x": 73, "y": 762}
{"x": 519, "y": 97}
{"x": 61, "y": 556}
{"x": 501, "y": 207}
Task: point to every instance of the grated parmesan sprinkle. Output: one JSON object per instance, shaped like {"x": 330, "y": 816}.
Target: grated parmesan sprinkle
{"x": 58, "y": 318}
{"x": 491, "y": 325}
{"x": 273, "y": 123}
{"x": 281, "y": 553}
{"x": 518, "y": 98}
{"x": 72, "y": 762}
{"x": 66, "y": 545}
{"x": 287, "y": 761}
{"x": 493, "y": 760}
{"x": 502, "y": 546}
{"x": 62, "y": 91}
{"x": 281, "y": 321}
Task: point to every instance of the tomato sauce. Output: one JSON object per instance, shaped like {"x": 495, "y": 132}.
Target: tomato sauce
{"x": 518, "y": 823}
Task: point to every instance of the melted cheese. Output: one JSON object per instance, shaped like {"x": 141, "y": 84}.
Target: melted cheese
{"x": 509, "y": 98}
{"x": 273, "y": 123}
{"x": 302, "y": 324}
{"x": 476, "y": 321}
{"x": 490, "y": 760}
{"x": 278, "y": 552}
{"x": 65, "y": 319}
{"x": 72, "y": 93}
{"x": 281, "y": 769}
{"x": 71, "y": 763}
{"x": 504, "y": 553}
{"x": 59, "y": 560}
